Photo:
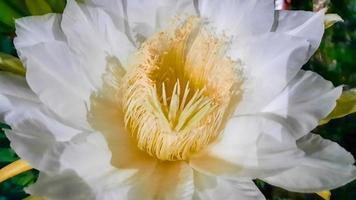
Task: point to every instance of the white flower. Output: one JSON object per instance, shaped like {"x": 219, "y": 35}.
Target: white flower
{"x": 171, "y": 99}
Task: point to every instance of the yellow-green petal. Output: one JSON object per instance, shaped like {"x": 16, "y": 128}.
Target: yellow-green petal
{"x": 325, "y": 194}
{"x": 12, "y": 64}
{"x": 345, "y": 105}
{"x": 331, "y": 19}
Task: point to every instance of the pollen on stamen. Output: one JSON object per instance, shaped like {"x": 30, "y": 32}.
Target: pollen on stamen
{"x": 178, "y": 94}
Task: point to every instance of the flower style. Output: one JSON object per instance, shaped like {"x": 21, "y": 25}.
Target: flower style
{"x": 171, "y": 100}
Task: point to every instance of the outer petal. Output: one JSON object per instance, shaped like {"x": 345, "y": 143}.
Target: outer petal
{"x": 114, "y": 8}
{"x": 87, "y": 156}
{"x": 38, "y": 29}
{"x": 40, "y": 44}
{"x": 94, "y": 25}
{"x": 65, "y": 185}
{"x": 65, "y": 91}
{"x": 34, "y": 128}
{"x": 269, "y": 62}
{"x": 154, "y": 181}
{"x": 13, "y": 86}
{"x": 308, "y": 25}
{"x": 166, "y": 181}
{"x": 326, "y": 166}
{"x": 211, "y": 188}
{"x": 251, "y": 146}
{"x": 299, "y": 103}
{"x": 239, "y": 17}
{"x": 147, "y": 17}
{"x": 34, "y": 132}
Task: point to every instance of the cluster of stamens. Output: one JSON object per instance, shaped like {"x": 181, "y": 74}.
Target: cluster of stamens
{"x": 176, "y": 98}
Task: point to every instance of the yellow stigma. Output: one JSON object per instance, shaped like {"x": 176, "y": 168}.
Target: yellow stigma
{"x": 176, "y": 97}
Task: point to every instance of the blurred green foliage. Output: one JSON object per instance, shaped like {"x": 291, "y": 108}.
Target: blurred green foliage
{"x": 335, "y": 61}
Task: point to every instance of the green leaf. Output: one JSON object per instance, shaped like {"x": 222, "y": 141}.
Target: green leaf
{"x": 12, "y": 64}
{"x": 38, "y": 7}
{"x": 8, "y": 14}
{"x": 5, "y": 28}
{"x": 19, "y": 6}
{"x": 57, "y": 5}
{"x": 25, "y": 178}
{"x": 7, "y": 155}
{"x": 345, "y": 105}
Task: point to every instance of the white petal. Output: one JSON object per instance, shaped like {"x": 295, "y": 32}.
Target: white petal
{"x": 308, "y": 25}
{"x": 239, "y": 17}
{"x": 325, "y": 167}
{"x": 13, "y": 86}
{"x": 269, "y": 62}
{"x": 89, "y": 156}
{"x": 106, "y": 117}
{"x": 38, "y": 29}
{"x": 306, "y": 100}
{"x": 34, "y": 132}
{"x": 166, "y": 181}
{"x": 60, "y": 85}
{"x": 117, "y": 41}
{"x": 148, "y": 17}
{"x": 92, "y": 38}
{"x": 211, "y": 188}
{"x": 251, "y": 146}
{"x": 65, "y": 185}
{"x": 34, "y": 128}
{"x": 114, "y": 8}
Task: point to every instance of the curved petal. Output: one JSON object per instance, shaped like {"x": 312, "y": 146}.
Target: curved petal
{"x": 118, "y": 43}
{"x": 34, "y": 131}
{"x": 211, "y": 188}
{"x": 41, "y": 46}
{"x": 299, "y": 103}
{"x": 13, "y": 86}
{"x": 325, "y": 167}
{"x": 304, "y": 24}
{"x": 165, "y": 181}
{"x": 38, "y": 29}
{"x": 269, "y": 62}
{"x": 87, "y": 156}
{"x": 91, "y": 24}
{"x": 250, "y": 146}
{"x": 34, "y": 128}
{"x": 83, "y": 24}
{"x": 148, "y": 17}
{"x": 239, "y": 17}
{"x": 114, "y": 8}
{"x": 155, "y": 180}
{"x": 65, "y": 185}
{"x": 66, "y": 91}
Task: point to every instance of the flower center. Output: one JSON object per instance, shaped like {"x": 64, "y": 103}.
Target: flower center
{"x": 176, "y": 98}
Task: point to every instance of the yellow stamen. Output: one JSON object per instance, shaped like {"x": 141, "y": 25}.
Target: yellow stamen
{"x": 14, "y": 169}
{"x": 177, "y": 95}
